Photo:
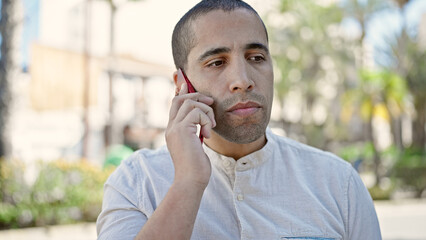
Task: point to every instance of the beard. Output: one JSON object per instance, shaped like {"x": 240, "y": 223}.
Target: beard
{"x": 241, "y": 130}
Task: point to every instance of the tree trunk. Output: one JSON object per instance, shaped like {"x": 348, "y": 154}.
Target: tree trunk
{"x": 7, "y": 31}
{"x": 419, "y": 134}
{"x": 7, "y": 27}
{"x": 396, "y": 129}
{"x": 419, "y": 193}
{"x": 376, "y": 155}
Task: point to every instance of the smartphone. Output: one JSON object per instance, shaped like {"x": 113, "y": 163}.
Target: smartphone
{"x": 191, "y": 89}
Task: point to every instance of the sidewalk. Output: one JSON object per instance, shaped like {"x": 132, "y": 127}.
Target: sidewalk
{"x": 82, "y": 231}
{"x": 403, "y": 219}
{"x": 399, "y": 220}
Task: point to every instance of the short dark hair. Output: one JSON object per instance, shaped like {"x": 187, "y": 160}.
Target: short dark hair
{"x": 183, "y": 39}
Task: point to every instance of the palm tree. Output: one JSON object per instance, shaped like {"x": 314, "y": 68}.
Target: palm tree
{"x": 405, "y": 56}
{"x": 7, "y": 28}
{"x": 309, "y": 53}
{"x": 410, "y": 62}
{"x": 379, "y": 93}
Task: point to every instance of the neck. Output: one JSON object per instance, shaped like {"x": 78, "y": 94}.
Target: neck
{"x": 232, "y": 149}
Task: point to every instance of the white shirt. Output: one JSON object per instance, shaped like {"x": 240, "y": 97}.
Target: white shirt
{"x": 286, "y": 190}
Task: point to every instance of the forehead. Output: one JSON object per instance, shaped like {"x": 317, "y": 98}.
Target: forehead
{"x": 227, "y": 29}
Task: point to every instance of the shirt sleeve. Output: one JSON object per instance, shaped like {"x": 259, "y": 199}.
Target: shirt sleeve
{"x": 121, "y": 218}
{"x": 362, "y": 222}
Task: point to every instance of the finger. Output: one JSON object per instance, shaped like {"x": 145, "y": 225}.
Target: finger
{"x": 189, "y": 105}
{"x": 179, "y": 100}
{"x": 183, "y": 89}
{"x": 197, "y": 116}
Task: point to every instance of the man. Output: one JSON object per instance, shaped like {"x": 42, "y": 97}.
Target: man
{"x": 244, "y": 182}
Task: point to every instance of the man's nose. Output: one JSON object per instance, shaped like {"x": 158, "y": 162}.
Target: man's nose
{"x": 239, "y": 77}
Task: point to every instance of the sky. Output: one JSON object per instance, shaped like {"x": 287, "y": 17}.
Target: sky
{"x": 30, "y": 31}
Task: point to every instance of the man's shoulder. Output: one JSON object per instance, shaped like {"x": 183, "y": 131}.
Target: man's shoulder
{"x": 142, "y": 163}
{"x": 148, "y": 157}
{"x": 318, "y": 170}
{"x": 306, "y": 154}
{"x": 149, "y": 154}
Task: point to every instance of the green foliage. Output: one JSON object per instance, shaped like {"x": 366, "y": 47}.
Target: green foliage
{"x": 407, "y": 168}
{"x": 378, "y": 92}
{"x": 410, "y": 170}
{"x": 378, "y": 193}
{"x": 354, "y": 152}
{"x": 62, "y": 193}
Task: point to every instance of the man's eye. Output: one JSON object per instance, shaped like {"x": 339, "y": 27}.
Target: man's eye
{"x": 216, "y": 63}
{"x": 256, "y": 58}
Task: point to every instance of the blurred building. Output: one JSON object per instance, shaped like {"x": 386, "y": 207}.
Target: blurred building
{"x": 70, "y": 60}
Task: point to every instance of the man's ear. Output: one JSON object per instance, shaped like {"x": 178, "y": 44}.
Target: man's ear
{"x": 178, "y": 79}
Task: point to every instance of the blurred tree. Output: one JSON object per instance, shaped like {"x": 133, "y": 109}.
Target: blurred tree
{"x": 409, "y": 59}
{"x": 319, "y": 63}
{"x": 409, "y": 170}
{"x": 416, "y": 77}
{"x": 7, "y": 26}
{"x": 314, "y": 58}
{"x": 379, "y": 94}
{"x": 362, "y": 11}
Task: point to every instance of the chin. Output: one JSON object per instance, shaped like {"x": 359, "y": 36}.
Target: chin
{"x": 241, "y": 134}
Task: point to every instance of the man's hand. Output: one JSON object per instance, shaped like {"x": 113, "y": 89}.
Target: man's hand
{"x": 174, "y": 218}
{"x": 188, "y": 110}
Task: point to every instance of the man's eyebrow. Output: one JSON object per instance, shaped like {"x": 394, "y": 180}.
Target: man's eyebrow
{"x": 257, "y": 46}
{"x": 212, "y": 52}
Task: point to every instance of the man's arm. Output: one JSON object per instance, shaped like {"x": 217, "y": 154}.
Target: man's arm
{"x": 363, "y": 222}
{"x": 174, "y": 218}
{"x": 121, "y": 216}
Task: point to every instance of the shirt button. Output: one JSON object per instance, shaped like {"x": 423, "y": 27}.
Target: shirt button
{"x": 226, "y": 163}
{"x": 240, "y": 197}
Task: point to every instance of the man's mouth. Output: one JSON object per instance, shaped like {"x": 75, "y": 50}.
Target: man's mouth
{"x": 244, "y": 109}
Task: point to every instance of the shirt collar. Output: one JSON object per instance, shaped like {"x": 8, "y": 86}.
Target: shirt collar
{"x": 247, "y": 162}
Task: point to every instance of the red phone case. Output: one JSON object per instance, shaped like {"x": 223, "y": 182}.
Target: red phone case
{"x": 191, "y": 89}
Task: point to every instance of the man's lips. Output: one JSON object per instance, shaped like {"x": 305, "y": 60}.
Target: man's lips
{"x": 244, "y": 109}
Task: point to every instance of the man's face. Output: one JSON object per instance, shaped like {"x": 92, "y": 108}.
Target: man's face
{"x": 231, "y": 63}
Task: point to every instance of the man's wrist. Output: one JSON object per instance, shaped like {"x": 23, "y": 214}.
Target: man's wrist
{"x": 189, "y": 186}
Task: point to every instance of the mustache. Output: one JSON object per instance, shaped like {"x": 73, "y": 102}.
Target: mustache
{"x": 245, "y": 97}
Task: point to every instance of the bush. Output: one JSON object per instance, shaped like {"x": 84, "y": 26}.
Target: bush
{"x": 410, "y": 170}
{"x": 62, "y": 193}
{"x": 379, "y": 193}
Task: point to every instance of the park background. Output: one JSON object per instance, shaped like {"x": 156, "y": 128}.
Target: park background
{"x": 79, "y": 79}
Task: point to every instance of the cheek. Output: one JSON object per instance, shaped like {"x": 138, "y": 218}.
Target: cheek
{"x": 215, "y": 89}
{"x": 265, "y": 82}
{"x": 263, "y": 72}
{"x": 218, "y": 108}
{"x": 268, "y": 76}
